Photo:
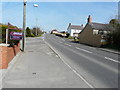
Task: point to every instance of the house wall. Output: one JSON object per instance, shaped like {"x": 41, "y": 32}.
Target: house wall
{"x": 74, "y": 31}
{"x": 87, "y": 37}
{"x": 69, "y": 31}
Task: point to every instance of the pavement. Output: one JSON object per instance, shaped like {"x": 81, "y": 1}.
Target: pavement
{"x": 40, "y": 67}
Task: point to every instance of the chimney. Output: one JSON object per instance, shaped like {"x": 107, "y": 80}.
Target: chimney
{"x": 89, "y": 19}
{"x": 69, "y": 24}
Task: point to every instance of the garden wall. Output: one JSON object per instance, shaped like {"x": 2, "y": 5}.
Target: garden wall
{"x": 7, "y": 54}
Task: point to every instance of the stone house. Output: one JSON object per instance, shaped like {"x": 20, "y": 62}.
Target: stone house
{"x": 94, "y": 34}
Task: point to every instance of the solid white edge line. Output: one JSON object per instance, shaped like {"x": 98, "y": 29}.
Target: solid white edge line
{"x": 83, "y": 50}
{"x": 80, "y": 76}
{"x": 112, "y": 59}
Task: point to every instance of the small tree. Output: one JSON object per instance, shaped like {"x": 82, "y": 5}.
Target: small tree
{"x": 28, "y": 32}
{"x": 37, "y": 31}
{"x": 116, "y": 33}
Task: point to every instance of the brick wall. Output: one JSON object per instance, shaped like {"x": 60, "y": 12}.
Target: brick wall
{"x": 7, "y": 54}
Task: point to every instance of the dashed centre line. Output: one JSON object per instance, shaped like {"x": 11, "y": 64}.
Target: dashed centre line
{"x": 60, "y": 42}
{"x": 112, "y": 59}
{"x": 67, "y": 44}
{"x": 83, "y": 50}
{"x": 92, "y": 47}
{"x": 63, "y": 39}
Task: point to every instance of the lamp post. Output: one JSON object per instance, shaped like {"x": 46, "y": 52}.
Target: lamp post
{"x": 36, "y": 5}
{"x": 24, "y": 24}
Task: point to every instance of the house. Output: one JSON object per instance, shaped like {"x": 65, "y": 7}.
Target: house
{"x": 74, "y": 30}
{"x": 94, "y": 34}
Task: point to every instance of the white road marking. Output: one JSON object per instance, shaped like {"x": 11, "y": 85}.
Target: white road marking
{"x": 92, "y": 47}
{"x": 63, "y": 39}
{"x": 80, "y": 76}
{"x": 60, "y": 42}
{"x": 112, "y": 59}
{"x": 83, "y": 50}
{"x": 67, "y": 44}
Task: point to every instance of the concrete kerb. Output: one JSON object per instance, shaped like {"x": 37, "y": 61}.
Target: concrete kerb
{"x": 111, "y": 51}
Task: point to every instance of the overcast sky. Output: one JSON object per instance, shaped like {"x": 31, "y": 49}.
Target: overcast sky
{"x": 57, "y": 15}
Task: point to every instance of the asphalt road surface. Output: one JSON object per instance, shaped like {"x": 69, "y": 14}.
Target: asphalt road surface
{"x": 97, "y": 68}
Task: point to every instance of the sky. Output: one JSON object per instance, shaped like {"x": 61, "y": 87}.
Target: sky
{"x": 57, "y": 15}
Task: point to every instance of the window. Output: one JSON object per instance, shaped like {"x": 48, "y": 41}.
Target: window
{"x": 95, "y": 32}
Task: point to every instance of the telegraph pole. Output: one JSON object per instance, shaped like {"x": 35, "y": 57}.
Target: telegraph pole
{"x": 24, "y": 24}
{"x": 36, "y": 5}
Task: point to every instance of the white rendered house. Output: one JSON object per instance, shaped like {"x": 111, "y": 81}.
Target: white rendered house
{"x": 74, "y": 30}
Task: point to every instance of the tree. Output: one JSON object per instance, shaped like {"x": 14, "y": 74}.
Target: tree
{"x": 28, "y": 32}
{"x": 36, "y": 31}
{"x": 114, "y": 23}
{"x": 116, "y": 33}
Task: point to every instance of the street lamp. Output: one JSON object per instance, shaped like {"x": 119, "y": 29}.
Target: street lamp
{"x": 24, "y": 24}
{"x": 36, "y": 5}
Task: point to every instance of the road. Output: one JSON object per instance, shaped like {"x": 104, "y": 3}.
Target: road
{"x": 97, "y": 68}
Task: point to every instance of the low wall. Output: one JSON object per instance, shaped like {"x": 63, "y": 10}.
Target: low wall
{"x": 7, "y": 54}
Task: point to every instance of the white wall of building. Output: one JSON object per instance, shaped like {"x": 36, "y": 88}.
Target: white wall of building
{"x": 74, "y": 31}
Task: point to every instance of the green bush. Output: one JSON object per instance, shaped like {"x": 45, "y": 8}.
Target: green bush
{"x": 3, "y": 34}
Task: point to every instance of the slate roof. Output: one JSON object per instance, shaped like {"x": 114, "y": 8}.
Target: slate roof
{"x": 100, "y": 26}
{"x": 76, "y": 27}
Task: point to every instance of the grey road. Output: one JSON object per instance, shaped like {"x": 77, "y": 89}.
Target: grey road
{"x": 95, "y": 67}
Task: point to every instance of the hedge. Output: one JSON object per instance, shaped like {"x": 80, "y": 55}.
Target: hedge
{"x": 3, "y": 34}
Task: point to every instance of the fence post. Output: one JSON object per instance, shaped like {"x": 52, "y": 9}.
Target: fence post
{"x": 6, "y": 36}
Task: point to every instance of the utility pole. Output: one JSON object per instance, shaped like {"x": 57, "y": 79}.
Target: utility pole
{"x": 119, "y": 11}
{"x": 36, "y": 32}
{"x": 36, "y": 27}
{"x": 24, "y": 24}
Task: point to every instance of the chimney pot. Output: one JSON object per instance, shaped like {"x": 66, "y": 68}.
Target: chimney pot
{"x": 82, "y": 25}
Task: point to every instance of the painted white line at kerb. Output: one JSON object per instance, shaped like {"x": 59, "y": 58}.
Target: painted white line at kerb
{"x": 79, "y": 75}
{"x": 67, "y": 44}
{"x": 83, "y": 50}
{"x": 112, "y": 59}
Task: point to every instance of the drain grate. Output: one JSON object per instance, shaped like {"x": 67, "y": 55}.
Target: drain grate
{"x": 30, "y": 51}
{"x": 34, "y": 73}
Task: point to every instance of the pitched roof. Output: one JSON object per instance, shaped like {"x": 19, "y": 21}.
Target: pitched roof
{"x": 100, "y": 26}
{"x": 78, "y": 27}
